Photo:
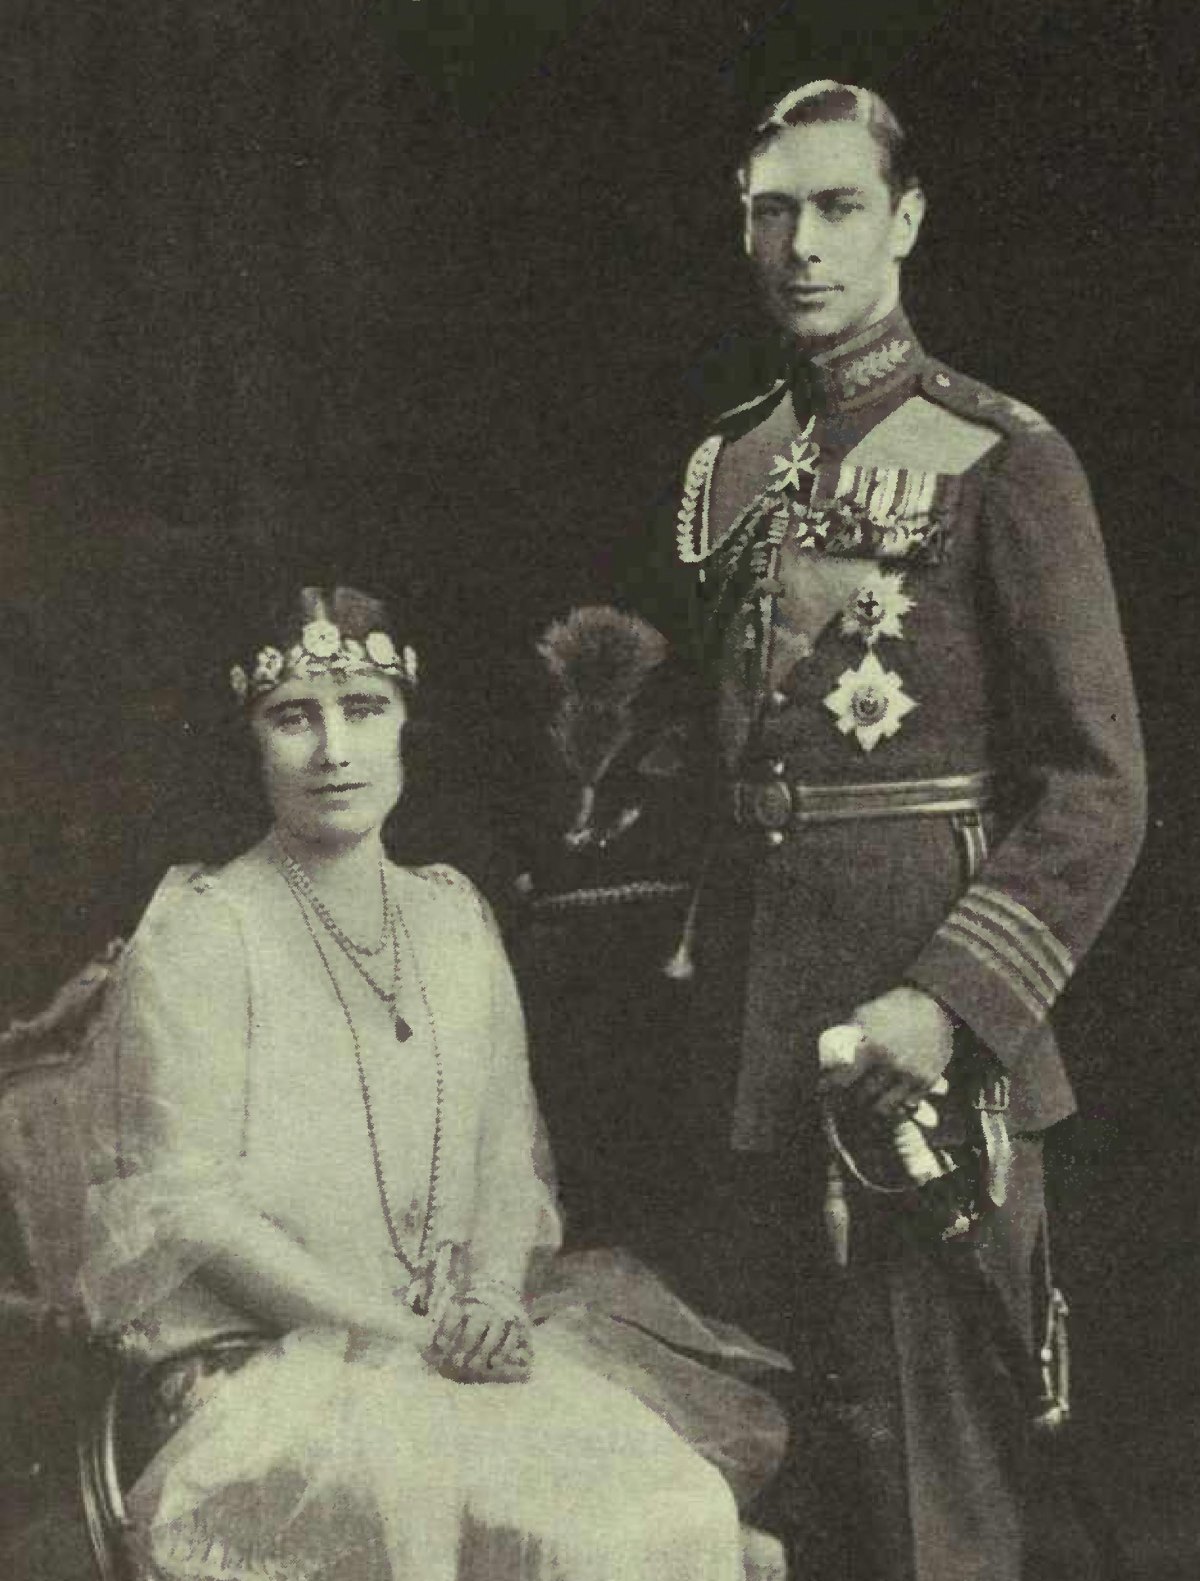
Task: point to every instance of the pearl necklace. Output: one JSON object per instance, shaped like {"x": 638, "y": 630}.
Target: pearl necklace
{"x": 305, "y": 884}
{"x": 302, "y": 890}
{"x": 418, "y": 1274}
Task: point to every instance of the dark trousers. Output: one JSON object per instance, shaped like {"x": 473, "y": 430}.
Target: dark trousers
{"x": 910, "y": 1395}
{"x": 912, "y": 1391}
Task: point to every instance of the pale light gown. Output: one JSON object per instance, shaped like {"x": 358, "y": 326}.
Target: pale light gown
{"x": 324, "y": 1459}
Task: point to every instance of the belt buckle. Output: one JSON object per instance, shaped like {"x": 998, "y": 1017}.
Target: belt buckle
{"x": 771, "y": 804}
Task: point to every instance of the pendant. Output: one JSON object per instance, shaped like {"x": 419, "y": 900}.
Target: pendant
{"x": 403, "y": 1030}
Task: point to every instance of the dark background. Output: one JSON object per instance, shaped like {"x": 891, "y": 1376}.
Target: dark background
{"x": 425, "y": 293}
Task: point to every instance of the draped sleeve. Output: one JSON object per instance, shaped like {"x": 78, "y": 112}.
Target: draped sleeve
{"x": 516, "y": 1217}
{"x": 168, "y": 1164}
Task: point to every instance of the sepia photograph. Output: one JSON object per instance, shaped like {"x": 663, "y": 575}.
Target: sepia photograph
{"x": 599, "y": 833}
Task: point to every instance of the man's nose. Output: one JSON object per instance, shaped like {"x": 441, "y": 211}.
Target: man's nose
{"x": 804, "y": 235}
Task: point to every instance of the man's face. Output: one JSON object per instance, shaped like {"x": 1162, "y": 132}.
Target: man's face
{"x": 822, "y": 233}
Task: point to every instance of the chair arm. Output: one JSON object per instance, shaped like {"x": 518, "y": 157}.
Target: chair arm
{"x": 54, "y": 1036}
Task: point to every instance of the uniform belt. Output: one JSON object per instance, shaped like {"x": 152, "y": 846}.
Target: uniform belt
{"x": 785, "y": 804}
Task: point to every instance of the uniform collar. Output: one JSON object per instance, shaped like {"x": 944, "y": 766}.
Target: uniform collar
{"x": 876, "y": 363}
{"x": 872, "y": 365}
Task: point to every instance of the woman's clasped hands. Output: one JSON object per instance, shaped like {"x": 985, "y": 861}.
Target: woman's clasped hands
{"x": 481, "y": 1336}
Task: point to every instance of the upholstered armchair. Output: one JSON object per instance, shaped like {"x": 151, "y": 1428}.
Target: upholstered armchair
{"x": 78, "y": 1384}
{"x": 70, "y": 1381}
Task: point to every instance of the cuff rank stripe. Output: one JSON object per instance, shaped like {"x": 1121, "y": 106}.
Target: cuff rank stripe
{"x": 1036, "y": 977}
{"x": 991, "y": 953}
{"x": 1035, "y": 938}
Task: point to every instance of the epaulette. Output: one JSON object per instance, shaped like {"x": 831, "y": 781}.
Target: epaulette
{"x": 979, "y": 403}
{"x": 736, "y": 380}
{"x": 738, "y": 420}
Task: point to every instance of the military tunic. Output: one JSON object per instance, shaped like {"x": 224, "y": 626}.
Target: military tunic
{"x": 921, "y": 674}
{"x": 929, "y": 772}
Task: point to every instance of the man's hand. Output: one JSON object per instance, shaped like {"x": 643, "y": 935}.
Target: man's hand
{"x": 474, "y": 1342}
{"x": 909, "y": 1041}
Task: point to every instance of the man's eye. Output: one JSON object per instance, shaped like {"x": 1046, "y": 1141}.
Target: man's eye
{"x": 294, "y": 721}
{"x": 771, "y": 211}
{"x": 843, "y": 206}
{"x": 364, "y": 710}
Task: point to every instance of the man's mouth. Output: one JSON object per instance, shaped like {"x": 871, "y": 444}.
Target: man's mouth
{"x": 340, "y": 789}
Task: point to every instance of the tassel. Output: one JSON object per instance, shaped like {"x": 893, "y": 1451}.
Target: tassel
{"x": 837, "y": 1213}
{"x": 1055, "y": 1358}
{"x": 681, "y": 967}
{"x": 581, "y": 832}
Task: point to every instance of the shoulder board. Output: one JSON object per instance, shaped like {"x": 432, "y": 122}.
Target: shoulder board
{"x": 978, "y": 402}
{"x": 737, "y": 376}
{"x": 747, "y": 413}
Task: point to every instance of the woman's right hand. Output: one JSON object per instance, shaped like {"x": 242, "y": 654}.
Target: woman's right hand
{"x": 476, "y": 1343}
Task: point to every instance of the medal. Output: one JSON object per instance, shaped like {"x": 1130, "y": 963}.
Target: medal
{"x": 869, "y": 703}
{"x": 877, "y": 608}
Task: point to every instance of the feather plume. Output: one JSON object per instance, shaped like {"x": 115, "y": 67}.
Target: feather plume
{"x": 601, "y": 655}
{"x": 599, "y": 659}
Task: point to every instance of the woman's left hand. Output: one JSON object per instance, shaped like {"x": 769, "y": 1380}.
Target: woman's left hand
{"x": 474, "y": 1342}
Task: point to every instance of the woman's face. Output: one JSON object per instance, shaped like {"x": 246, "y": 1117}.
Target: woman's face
{"x": 331, "y": 755}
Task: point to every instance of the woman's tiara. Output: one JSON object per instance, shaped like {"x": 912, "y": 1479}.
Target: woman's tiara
{"x": 323, "y": 649}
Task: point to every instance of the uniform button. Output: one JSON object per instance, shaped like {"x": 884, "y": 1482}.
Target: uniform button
{"x": 778, "y": 700}
{"x": 940, "y": 378}
{"x": 775, "y": 837}
{"x": 779, "y": 768}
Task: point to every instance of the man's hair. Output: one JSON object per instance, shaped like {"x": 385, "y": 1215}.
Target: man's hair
{"x": 826, "y": 101}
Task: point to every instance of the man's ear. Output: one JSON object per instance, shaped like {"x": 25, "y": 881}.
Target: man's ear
{"x": 906, "y": 224}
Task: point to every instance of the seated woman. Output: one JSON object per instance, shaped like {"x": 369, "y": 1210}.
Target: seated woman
{"x": 323, "y": 1127}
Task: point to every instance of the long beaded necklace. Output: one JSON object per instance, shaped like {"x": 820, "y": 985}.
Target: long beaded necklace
{"x": 415, "y": 1270}
{"x": 302, "y": 888}
{"x": 301, "y": 879}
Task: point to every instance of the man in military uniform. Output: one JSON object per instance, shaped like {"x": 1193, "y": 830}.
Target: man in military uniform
{"x": 930, "y": 796}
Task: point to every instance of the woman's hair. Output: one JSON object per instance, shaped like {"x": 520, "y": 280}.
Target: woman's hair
{"x": 229, "y": 771}
{"x": 825, "y": 101}
{"x": 320, "y": 630}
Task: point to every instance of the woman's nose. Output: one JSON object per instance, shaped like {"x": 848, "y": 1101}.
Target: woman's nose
{"x": 334, "y": 749}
